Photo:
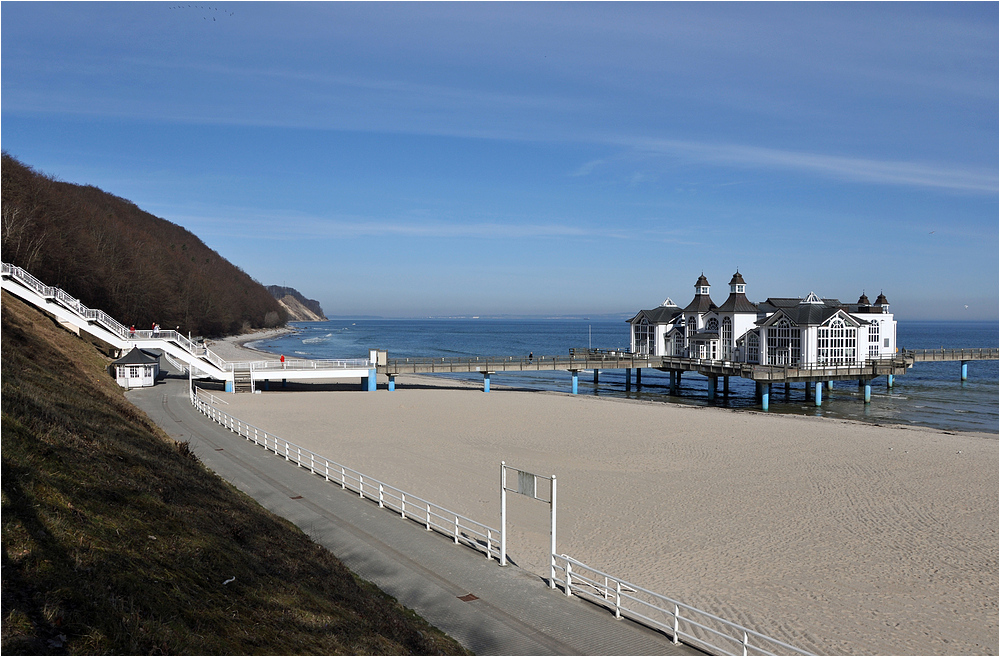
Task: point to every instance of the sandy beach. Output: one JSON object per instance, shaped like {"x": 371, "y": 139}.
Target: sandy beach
{"x": 837, "y": 537}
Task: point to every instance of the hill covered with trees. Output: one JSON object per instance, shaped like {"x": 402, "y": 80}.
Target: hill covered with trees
{"x": 113, "y": 256}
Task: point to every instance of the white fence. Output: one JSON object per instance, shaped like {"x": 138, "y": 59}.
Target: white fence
{"x": 432, "y": 516}
{"x": 681, "y": 622}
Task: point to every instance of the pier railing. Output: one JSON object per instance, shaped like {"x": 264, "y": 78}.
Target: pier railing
{"x": 460, "y": 529}
{"x": 942, "y": 354}
{"x": 683, "y": 623}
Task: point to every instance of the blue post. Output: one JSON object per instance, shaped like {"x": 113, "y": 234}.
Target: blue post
{"x": 965, "y": 370}
{"x": 371, "y": 381}
{"x": 486, "y": 381}
{"x": 829, "y": 384}
{"x": 765, "y": 395}
{"x": 819, "y": 393}
{"x": 392, "y": 382}
{"x": 575, "y": 380}
{"x": 888, "y": 381}
{"x": 868, "y": 392}
{"x": 712, "y": 382}
{"x": 229, "y": 386}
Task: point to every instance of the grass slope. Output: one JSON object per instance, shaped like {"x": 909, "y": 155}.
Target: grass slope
{"x": 117, "y": 540}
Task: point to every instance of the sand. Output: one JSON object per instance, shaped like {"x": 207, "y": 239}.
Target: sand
{"x": 835, "y": 536}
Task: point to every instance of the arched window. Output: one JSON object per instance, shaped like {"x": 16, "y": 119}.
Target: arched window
{"x": 645, "y": 338}
{"x": 713, "y": 324}
{"x": 727, "y": 337}
{"x": 753, "y": 347}
{"x": 678, "y": 344}
{"x": 783, "y": 343}
{"x": 837, "y": 343}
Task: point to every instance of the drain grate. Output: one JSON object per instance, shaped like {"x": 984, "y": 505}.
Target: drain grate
{"x": 467, "y": 598}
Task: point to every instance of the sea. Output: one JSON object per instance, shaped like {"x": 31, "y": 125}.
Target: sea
{"x": 928, "y": 395}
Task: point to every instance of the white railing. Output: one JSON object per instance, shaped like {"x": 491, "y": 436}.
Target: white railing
{"x": 304, "y": 364}
{"x": 461, "y": 529}
{"x": 103, "y": 319}
{"x": 175, "y": 363}
{"x": 683, "y": 623}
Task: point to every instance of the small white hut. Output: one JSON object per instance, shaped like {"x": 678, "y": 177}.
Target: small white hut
{"x": 136, "y": 369}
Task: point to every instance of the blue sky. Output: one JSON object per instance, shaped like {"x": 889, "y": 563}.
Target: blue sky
{"x": 441, "y": 159}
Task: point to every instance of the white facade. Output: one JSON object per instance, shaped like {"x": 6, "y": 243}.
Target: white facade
{"x": 807, "y": 331}
{"x": 137, "y": 369}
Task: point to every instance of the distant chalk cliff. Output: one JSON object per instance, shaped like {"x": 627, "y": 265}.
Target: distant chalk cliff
{"x": 299, "y": 308}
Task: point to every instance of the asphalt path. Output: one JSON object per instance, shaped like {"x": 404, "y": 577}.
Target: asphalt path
{"x": 489, "y": 609}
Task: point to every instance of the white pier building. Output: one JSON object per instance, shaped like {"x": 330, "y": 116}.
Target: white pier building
{"x": 779, "y": 331}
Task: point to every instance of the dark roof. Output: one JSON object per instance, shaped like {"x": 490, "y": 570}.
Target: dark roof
{"x": 701, "y": 281}
{"x": 137, "y": 357}
{"x": 808, "y": 314}
{"x": 863, "y": 300}
{"x": 881, "y": 300}
{"x": 737, "y": 279}
{"x": 702, "y": 303}
{"x": 774, "y": 303}
{"x": 737, "y": 303}
{"x": 661, "y": 315}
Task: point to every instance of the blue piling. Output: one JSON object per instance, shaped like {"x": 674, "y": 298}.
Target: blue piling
{"x": 965, "y": 370}
{"x": 392, "y": 382}
{"x": 868, "y": 392}
{"x": 819, "y": 393}
{"x": 765, "y": 395}
{"x": 576, "y": 380}
{"x": 229, "y": 386}
{"x": 486, "y": 381}
{"x": 888, "y": 381}
{"x": 712, "y": 383}
{"x": 368, "y": 382}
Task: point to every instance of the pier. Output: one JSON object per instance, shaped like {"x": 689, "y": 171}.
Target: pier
{"x": 201, "y": 362}
{"x": 580, "y": 360}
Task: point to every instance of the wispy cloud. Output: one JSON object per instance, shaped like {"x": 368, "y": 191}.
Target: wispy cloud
{"x": 840, "y": 167}
{"x": 225, "y": 222}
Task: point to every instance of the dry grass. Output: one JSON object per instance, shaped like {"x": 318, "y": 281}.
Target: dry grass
{"x": 116, "y": 540}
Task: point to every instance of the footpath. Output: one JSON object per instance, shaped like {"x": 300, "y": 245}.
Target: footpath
{"x": 491, "y": 610}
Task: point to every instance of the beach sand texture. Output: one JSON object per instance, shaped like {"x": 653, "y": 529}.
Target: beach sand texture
{"x": 834, "y": 536}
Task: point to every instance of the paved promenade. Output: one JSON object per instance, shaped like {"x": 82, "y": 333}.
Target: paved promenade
{"x": 489, "y": 609}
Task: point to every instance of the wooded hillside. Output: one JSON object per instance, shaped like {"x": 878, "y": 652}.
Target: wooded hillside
{"x": 115, "y": 257}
